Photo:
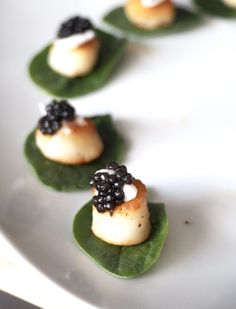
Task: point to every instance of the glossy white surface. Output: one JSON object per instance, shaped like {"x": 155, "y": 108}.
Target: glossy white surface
{"x": 17, "y": 276}
{"x": 174, "y": 100}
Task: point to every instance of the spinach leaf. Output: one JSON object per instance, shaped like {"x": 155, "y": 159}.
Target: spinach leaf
{"x": 121, "y": 261}
{"x": 60, "y": 86}
{"x": 184, "y": 21}
{"x": 63, "y": 177}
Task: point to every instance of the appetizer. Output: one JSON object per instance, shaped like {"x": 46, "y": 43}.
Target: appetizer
{"x": 151, "y": 17}
{"x": 122, "y": 232}
{"x": 66, "y": 149}
{"x": 75, "y": 50}
{"x": 66, "y": 138}
{"x": 120, "y": 212}
{"x": 78, "y": 61}
{"x": 150, "y": 14}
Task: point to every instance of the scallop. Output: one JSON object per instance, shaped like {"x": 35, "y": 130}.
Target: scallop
{"x": 128, "y": 224}
{"x": 78, "y": 61}
{"x": 76, "y": 142}
{"x": 150, "y": 18}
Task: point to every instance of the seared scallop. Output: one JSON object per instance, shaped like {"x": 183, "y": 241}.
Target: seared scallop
{"x": 150, "y": 18}
{"x": 75, "y": 50}
{"x": 128, "y": 224}
{"x": 74, "y": 62}
{"x": 76, "y": 142}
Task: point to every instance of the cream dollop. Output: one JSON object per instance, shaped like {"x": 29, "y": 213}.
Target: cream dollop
{"x": 104, "y": 170}
{"x": 151, "y": 3}
{"x": 130, "y": 191}
{"x": 80, "y": 121}
{"x": 42, "y": 108}
{"x": 75, "y": 40}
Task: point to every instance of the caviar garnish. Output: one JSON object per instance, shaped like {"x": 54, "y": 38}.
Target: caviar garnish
{"x": 112, "y": 166}
{"x": 67, "y": 112}
{"x": 56, "y": 112}
{"x": 109, "y": 187}
{"x": 48, "y": 126}
{"x": 74, "y": 25}
{"x": 60, "y": 110}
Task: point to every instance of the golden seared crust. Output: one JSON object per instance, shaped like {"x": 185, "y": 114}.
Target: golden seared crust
{"x": 122, "y": 230}
{"x": 75, "y": 128}
{"x": 91, "y": 44}
{"x": 94, "y": 44}
{"x": 74, "y": 62}
{"x": 150, "y": 17}
{"x": 73, "y": 143}
{"x": 135, "y": 203}
{"x": 129, "y": 224}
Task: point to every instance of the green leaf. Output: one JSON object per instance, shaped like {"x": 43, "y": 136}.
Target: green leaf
{"x": 216, "y": 7}
{"x": 57, "y": 85}
{"x": 184, "y": 21}
{"x": 63, "y": 177}
{"x": 121, "y": 261}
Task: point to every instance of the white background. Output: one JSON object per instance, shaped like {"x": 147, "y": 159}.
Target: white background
{"x": 173, "y": 98}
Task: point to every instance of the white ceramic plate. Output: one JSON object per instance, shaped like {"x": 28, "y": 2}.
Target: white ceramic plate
{"x": 174, "y": 100}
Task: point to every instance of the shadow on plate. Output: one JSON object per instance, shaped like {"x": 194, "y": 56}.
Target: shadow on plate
{"x": 188, "y": 231}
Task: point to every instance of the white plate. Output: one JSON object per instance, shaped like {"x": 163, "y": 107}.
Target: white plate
{"x": 174, "y": 100}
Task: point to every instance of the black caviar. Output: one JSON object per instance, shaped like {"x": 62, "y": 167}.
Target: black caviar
{"x": 60, "y": 110}
{"x": 48, "y": 126}
{"x": 56, "y": 112}
{"x": 110, "y": 187}
{"x": 74, "y": 25}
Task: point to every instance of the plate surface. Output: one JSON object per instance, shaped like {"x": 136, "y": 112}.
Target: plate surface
{"x": 174, "y": 100}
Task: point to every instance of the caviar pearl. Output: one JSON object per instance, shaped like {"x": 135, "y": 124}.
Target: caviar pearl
{"x": 112, "y": 166}
{"x": 74, "y": 25}
{"x": 114, "y": 184}
{"x": 56, "y": 112}
{"x": 48, "y": 126}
